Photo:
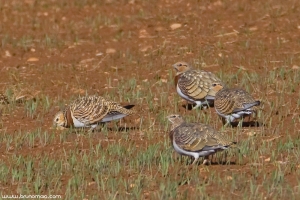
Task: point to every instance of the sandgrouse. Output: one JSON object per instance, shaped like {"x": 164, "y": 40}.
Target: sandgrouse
{"x": 195, "y": 139}
{"x": 232, "y": 104}
{"x": 3, "y": 99}
{"x": 196, "y": 86}
{"x": 89, "y": 111}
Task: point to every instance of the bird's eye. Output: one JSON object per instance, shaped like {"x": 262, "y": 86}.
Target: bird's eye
{"x": 214, "y": 84}
{"x": 180, "y": 65}
{"x": 56, "y": 119}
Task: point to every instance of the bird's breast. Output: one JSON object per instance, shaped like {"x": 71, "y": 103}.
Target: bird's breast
{"x": 78, "y": 123}
{"x": 176, "y": 79}
{"x": 69, "y": 119}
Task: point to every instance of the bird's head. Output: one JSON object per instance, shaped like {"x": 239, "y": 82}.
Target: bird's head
{"x": 215, "y": 88}
{"x": 175, "y": 119}
{"x": 181, "y": 67}
{"x": 60, "y": 120}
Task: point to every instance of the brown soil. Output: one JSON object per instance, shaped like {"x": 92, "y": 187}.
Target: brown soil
{"x": 62, "y": 49}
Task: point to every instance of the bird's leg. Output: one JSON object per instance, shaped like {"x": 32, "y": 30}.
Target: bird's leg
{"x": 206, "y": 161}
{"x": 228, "y": 122}
{"x": 93, "y": 127}
{"x": 211, "y": 157}
{"x": 229, "y": 119}
{"x": 91, "y": 130}
{"x": 223, "y": 120}
{"x": 226, "y": 154}
{"x": 207, "y": 105}
{"x": 198, "y": 104}
{"x": 204, "y": 104}
{"x": 195, "y": 107}
{"x": 195, "y": 160}
{"x": 240, "y": 124}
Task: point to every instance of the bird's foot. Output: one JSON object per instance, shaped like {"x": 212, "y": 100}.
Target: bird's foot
{"x": 227, "y": 124}
{"x": 206, "y": 161}
{"x": 195, "y": 161}
{"x": 92, "y": 129}
{"x": 195, "y": 107}
{"x": 240, "y": 124}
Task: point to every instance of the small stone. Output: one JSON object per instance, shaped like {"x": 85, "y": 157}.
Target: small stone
{"x": 252, "y": 133}
{"x": 295, "y": 67}
{"x": 144, "y": 34}
{"x": 32, "y": 59}
{"x": 116, "y": 68}
{"x": 145, "y": 48}
{"x": 92, "y": 183}
{"x": 253, "y": 28}
{"x": 131, "y": 2}
{"x": 7, "y": 54}
{"x": 86, "y": 60}
{"x": 175, "y": 26}
{"x": 110, "y": 51}
{"x": 159, "y": 29}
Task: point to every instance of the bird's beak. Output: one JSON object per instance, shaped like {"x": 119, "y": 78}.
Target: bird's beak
{"x": 57, "y": 127}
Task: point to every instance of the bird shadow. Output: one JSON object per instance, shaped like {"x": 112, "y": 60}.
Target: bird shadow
{"x": 247, "y": 124}
{"x": 222, "y": 163}
{"x": 123, "y": 129}
{"x": 212, "y": 161}
{"x": 103, "y": 126}
{"x": 200, "y": 163}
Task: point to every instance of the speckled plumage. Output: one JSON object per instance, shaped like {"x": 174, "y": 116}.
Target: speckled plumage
{"x": 232, "y": 104}
{"x": 89, "y": 111}
{"x": 3, "y": 99}
{"x": 195, "y": 139}
{"x": 196, "y": 86}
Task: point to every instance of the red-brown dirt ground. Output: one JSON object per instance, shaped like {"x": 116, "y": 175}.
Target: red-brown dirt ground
{"x": 54, "y": 51}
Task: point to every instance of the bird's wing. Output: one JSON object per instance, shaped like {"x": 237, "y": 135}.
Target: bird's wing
{"x": 89, "y": 110}
{"x": 197, "y": 84}
{"x": 117, "y": 111}
{"x": 247, "y": 106}
{"x": 194, "y": 84}
{"x": 225, "y": 102}
{"x": 194, "y": 137}
{"x": 243, "y": 100}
